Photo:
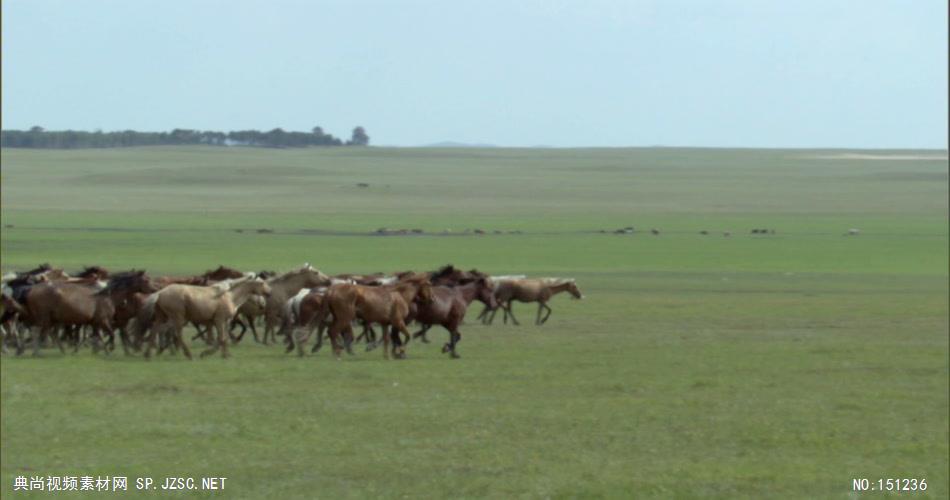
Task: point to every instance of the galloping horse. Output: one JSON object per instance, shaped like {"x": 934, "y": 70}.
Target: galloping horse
{"x": 284, "y": 287}
{"x": 496, "y": 280}
{"x": 56, "y": 304}
{"x": 386, "y": 305}
{"x": 447, "y": 308}
{"x": 532, "y": 290}
{"x": 175, "y": 305}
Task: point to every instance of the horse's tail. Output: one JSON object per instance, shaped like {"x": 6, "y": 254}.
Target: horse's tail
{"x": 145, "y": 318}
{"x": 289, "y": 319}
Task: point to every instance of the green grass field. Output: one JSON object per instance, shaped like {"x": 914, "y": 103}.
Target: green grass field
{"x": 752, "y": 366}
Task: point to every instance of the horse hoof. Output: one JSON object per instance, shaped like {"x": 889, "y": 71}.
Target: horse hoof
{"x": 425, "y": 340}
{"x": 455, "y": 356}
{"x": 445, "y": 348}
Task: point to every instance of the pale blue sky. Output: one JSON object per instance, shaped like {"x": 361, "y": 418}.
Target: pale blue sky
{"x": 755, "y": 73}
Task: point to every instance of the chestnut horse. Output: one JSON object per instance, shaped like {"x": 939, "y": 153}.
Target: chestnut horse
{"x": 386, "y": 305}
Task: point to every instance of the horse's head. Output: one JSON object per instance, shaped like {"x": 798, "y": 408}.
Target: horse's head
{"x": 97, "y": 272}
{"x": 313, "y": 277}
{"x": 485, "y": 292}
{"x": 259, "y": 287}
{"x": 573, "y": 290}
{"x": 420, "y": 284}
{"x": 425, "y": 291}
{"x": 145, "y": 283}
{"x": 223, "y": 273}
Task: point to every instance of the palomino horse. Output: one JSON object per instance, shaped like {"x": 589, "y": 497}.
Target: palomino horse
{"x": 448, "y": 306}
{"x": 386, "y": 305}
{"x": 175, "y": 305}
{"x": 532, "y": 290}
{"x": 283, "y": 288}
{"x": 54, "y": 304}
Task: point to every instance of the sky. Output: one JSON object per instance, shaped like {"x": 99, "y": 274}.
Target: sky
{"x": 730, "y": 73}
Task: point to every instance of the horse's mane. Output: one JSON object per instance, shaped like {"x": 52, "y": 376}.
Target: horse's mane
{"x": 123, "y": 281}
{"x": 446, "y": 270}
{"x": 42, "y": 268}
{"x": 289, "y": 274}
{"x": 93, "y": 270}
{"x": 222, "y": 270}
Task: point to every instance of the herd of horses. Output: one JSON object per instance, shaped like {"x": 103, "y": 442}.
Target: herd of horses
{"x": 48, "y": 307}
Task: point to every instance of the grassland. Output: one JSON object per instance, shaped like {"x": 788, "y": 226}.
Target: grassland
{"x": 750, "y": 366}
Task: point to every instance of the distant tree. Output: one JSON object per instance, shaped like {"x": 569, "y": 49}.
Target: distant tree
{"x": 37, "y": 137}
{"x": 359, "y": 137}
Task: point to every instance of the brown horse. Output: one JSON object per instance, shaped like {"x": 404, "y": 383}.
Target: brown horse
{"x": 283, "y": 288}
{"x": 532, "y": 290}
{"x": 55, "y": 304}
{"x": 447, "y": 308}
{"x": 247, "y": 316}
{"x": 175, "y": 305}
{"x": 386, "y": 305}
{"x": 209, "y": 277}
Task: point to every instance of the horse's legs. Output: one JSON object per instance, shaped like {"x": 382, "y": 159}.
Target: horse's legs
{"x": 320, "y": 330}
{"x": 512, "y": 313}
{"x": 177, "y": 339}
{"x": 222, "y": 338}
{"x": 401, "y": 326}
{"x": 386, "y": 340}
{"x": 124, "y": 338}
{"x": 335, "y": 336}
{"x": 57, "y": 341}
{"x": 36, "y": 339}
{"x": 454, "y": 337}
{"x": 213, "y": 348}
{"x": 546, "y": 316}
{"x": 422, "y": 333}
{"x": 483, "y": 316}
{"x": 537, "y": 320}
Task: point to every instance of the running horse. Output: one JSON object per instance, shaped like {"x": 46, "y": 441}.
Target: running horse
{"x": 532, "y": 290}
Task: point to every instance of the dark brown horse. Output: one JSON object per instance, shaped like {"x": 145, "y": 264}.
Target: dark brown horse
{"x": 94, "y": 272}
{"x": 128, "y": 291}
{"x": 449, "y": 275}
{"x": 447, "y": 308}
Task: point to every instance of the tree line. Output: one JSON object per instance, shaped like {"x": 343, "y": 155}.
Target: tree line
{"x": 37, "y": 137}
